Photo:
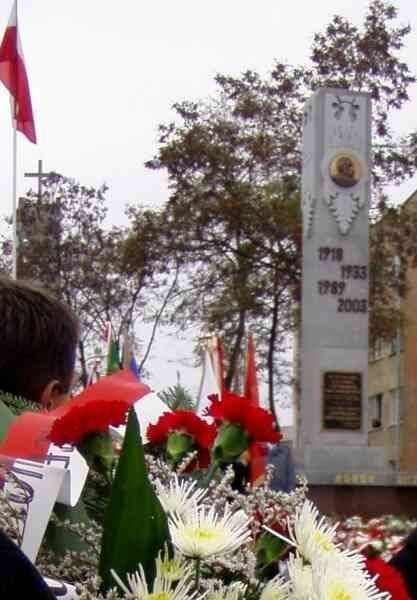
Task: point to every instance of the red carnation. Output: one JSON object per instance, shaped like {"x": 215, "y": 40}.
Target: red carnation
{"x": 81, "y": 420}
{"x": 257, "y": 422}
{"x": 186, "y": 423}
{"x": 389, "y": 579}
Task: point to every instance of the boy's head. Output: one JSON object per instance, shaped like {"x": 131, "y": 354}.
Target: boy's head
{"x": 38, "y": 340}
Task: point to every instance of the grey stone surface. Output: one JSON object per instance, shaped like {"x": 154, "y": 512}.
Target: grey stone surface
{"x": 341, "y": 458}
{"x": 335, "y": 273}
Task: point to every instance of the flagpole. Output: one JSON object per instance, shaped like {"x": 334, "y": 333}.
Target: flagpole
{"x": 14, "y": 199}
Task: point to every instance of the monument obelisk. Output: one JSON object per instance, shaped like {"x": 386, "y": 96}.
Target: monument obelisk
{"x": 333, "y": 423}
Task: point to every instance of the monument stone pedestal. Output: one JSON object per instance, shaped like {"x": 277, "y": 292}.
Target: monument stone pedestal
{"x": 332, "y": 436}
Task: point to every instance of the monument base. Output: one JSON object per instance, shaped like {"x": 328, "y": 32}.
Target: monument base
{"x": 327, "y": 465}
{"x": 367, "y": 501}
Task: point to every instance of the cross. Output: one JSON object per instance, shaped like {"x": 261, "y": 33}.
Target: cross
{"x": 40, "y": 177}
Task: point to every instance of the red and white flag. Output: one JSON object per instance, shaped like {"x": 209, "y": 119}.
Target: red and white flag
{"x": 14, "y": 77}
{"x": 257, "y": 450}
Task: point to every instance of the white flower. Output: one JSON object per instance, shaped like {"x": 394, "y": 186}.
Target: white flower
{"x": 234, "y": 591}
{"x": 331, "y": 582}
{"x": 312, "y": 535}
{"x": 173, "y": 569}
{"x": 179, "y": 496}
{"x": 162, "y": 589}
{"x": 276, "y": 589}
{"x": 301, "y": 578}
{"x": 201, "y": 532}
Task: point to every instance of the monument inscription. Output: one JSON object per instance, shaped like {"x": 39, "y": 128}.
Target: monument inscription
{"x": 342, "y": 400}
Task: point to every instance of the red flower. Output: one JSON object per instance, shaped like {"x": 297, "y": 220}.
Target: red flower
{"x": 256, "y": 421}
{"x": 81, "y": 420}
{"x": 188, "y": 423}
{"x": 389, "y": 579}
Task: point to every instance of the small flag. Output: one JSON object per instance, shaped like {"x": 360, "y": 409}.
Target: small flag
{"x": 257, "y": 451}
{"x": 218, "y": 359}
{"x": 134, "y": 367}
{"x": 251, "y": 380}
{"x": 14, "y": 77}
{"x": 93, "y": 372}
{"x": 208, "y": 385}
{"x": 113, "y": 363}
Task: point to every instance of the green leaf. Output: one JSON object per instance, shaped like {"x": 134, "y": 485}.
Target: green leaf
{"x": 58, "y": 538}
{"x": 269, "y": 549}
{"x": 135, "y": 526}
{"x": 230, "y": 442}
{"x": 178, "y": 446}
{"x": 6, "y": 418}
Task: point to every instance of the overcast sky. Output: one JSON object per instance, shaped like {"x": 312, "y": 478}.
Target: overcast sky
{"x": 104, "y": 74}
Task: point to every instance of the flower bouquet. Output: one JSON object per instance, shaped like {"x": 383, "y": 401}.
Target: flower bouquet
{"x": 178, "y": 525}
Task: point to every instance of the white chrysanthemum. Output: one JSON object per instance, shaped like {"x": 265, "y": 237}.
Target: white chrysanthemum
{"x": 331, "y": 582}
{"x": 311, "y": 534}
{"x": 173, "y": 569}
{"x": 162, "y": 589}
{"x": 201, "y": 532}
{"x": 234, "y": 591}
{"x": 276, "y": 589}
{"x": 301, "y": 579}
{"x": 179, "y": 496}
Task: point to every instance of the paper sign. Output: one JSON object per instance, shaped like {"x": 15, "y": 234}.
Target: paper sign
{"x": 75, "y": 468}
{"x": 32, "y": 488}
{"x": 61, "y": 590}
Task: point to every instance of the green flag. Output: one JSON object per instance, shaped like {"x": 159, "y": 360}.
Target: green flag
{"x": 113, "y": 363}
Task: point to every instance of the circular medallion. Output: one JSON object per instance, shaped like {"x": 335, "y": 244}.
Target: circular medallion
{"x": 345, "y": 170}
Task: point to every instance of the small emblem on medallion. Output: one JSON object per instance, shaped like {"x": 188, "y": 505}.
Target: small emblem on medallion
{"x": 345, "y": 170}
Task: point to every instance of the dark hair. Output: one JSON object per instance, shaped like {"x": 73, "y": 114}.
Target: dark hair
{"x": 38, "y": 340}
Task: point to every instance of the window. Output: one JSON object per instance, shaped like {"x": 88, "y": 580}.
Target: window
{"x": 375, "y": 411}
{"x": 394, "y": 344}
{"x": 393, "y": 407}
{"x": 377, "y": 351}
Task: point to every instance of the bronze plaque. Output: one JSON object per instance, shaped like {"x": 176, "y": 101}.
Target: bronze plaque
{"x": 342, "y": 400}
{"x": 345, "y": 170}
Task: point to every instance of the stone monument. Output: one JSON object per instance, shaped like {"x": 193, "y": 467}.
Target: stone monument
{"x": 333, "y": 420}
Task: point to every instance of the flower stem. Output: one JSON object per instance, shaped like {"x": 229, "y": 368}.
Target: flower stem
{"x": 197, "y": 572}
{"x": 210, "y": 474}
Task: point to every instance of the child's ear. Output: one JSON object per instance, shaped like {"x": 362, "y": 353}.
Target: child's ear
{"x": 52, "y": 395}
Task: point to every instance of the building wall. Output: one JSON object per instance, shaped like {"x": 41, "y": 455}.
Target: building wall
{"x": 387, "y": 373}
{"x": 409, "y": 396}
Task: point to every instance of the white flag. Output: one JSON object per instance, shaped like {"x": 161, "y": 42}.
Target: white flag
{"x": 208, "y": 385}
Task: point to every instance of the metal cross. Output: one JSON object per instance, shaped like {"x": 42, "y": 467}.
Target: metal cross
{"x": 41, "y": 176}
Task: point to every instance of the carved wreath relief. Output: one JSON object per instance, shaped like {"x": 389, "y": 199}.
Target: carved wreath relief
{"x": 308, "y": 202}
{"x": 344, "y": 171}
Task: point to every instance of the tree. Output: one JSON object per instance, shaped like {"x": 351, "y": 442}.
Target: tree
{"x": 65, "y": 245}
{"x": 177, "y": 397}
{"x": 234, "y": 165}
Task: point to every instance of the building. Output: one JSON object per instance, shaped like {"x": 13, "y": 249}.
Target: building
{"x": 392, "y": 389}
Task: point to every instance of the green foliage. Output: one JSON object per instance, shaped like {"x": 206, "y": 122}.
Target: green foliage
{"x": 6, "y": 418}
{"x": 135, "y": 528}
{"x": 12, "y": 406}
{"x": 269, "y": 550}
{"x": 18, "y": 405}
{"x": 177, "y": 397}
{"x": 60, "y": 539}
